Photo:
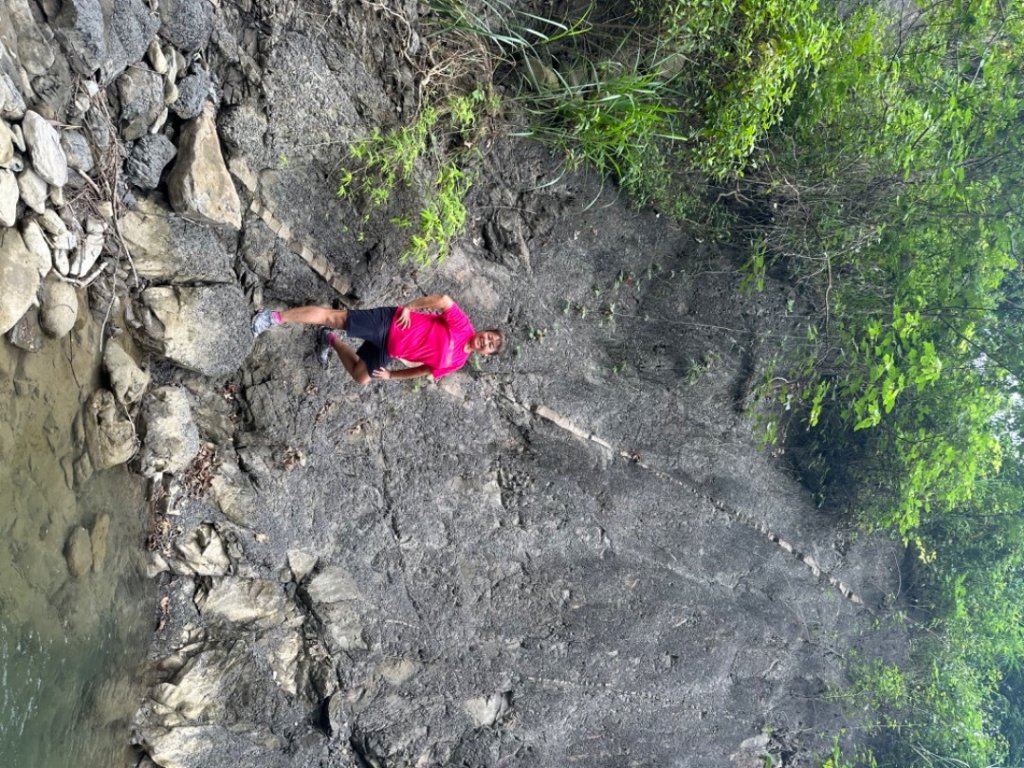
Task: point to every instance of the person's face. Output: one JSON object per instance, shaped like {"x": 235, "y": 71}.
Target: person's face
{"x": 486, "y": 342}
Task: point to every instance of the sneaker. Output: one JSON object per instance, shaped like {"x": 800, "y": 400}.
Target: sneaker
{"x": 323, "y": 347}
{"x": 262, "y": 321}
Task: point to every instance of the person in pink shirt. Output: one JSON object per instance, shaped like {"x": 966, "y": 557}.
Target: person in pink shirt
{"x": 431, "y": 333}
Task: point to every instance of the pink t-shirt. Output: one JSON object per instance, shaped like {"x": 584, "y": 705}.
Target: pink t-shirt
{"x": 436, "y": 341}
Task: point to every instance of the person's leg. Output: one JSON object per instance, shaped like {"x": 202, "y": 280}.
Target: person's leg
{"x": 353, "y": 364}
{"x": 313, "y": 315}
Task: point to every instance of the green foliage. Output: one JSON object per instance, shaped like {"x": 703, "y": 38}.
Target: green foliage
{"x": 438, "y": 146}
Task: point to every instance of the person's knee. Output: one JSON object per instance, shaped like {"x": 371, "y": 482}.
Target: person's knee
{"x": 361, "y": 375}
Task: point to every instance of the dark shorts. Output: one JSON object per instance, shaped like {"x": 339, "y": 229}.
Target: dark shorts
{"x": 372, "y": 326}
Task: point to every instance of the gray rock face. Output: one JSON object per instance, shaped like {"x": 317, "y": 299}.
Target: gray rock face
{"x": 44, "y": 147}
{"x": 104, "y": 36}
{"x": 148, "y": 158}
{"x": 127, "y": 379}
{"x": 109, "y": 434}
{"x": 170, "y": 436}
{"x": 169, "y": 249}
{"x": 141, "y": 93}
{"x": 19, "y": 278}
{"x": 187, "y": 24}
{"x": 199, "y": 185}
{"x": 59, "y": 307}
{"x": 204, "y": 329}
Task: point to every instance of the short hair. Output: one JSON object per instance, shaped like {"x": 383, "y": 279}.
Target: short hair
{"x": 501, "y": 339}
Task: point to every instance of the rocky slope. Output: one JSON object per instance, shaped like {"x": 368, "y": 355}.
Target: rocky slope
{"x": 571, "y": 555}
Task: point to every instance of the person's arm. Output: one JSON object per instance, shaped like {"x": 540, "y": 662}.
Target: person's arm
{"x": 435, "y": 301}
{"x": 402, "y": 373}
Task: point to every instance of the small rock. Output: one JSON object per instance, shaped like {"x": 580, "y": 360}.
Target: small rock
{"x": 33, "y": 189}
{"x": 6, "y": 144}
{"x": 192, "y": 93}
{"x": 26, "y": 333}
{"x": 32, "y": 235}
{"x": 100, "y": 533}
{"x": 8, "y": 198}
{"x": 44, "y": 147}
{"x": 185, "y": 23}
{"x": 88, "y": 252}
{"x": 170, "y": 92}
{"x": 157, "y": 60}
{"x": 12, "y": 105}
{"x": 77, "y": 150}
{"x": 78, "y": 552}
{"x": 59, "y": 307}
{"x": 57, "y": 197}
{"x": 141, "y": 94}
{"x": 148, "y": 158}
{"x": 159, "y": 123}
{"x": 61, "y": 261}
{"x": 53, "y": 223}
{"x": 127, "y": 379}
{"x": 109, "y": 434}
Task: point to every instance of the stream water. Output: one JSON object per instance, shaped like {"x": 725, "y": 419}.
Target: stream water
{"x": 71, "y": 649}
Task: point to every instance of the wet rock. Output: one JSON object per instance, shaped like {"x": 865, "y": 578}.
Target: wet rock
{"x": 171, "y": 318}
{"x": 109, "y": 434}
{"x": 170, "y": 249}
{"x": 59, "y": 307}
{"x": 8, "y": 198}
{"x": 98, "y": 538}
{"x": 104, "y": 35}
{"x": 127, "y": 379}
{"x": 170, "y": 436}
{"x": 192, "y": 92}
{"x": 77, "y": 150}
{"x": 199, "y": 185}
{"x": 78, "y": 552}
{"x": 187, "y": 24}
{"x": 141, "y": 93}
{"x": 19, "y": 278}
{"x": 43, "y": 144}
{"x": 148, "y": 158}
{"x": 202, "y": 553}
{"x": 26, "y": 333}
{"x": 33, "y": 188}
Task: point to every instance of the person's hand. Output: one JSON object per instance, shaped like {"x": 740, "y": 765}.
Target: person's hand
{"x": 381, "y": 373}
{"x": 404, "y": 318}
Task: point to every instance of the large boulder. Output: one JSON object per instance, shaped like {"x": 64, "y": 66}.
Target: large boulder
{"x": 104, "y": 36}
{"x": 19, "y": 278}
{"x": 170, "y": 249}
{"x": 202, "y": 328}
{"x": 199, "y": 185}
{"x": 170, "y": 435}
